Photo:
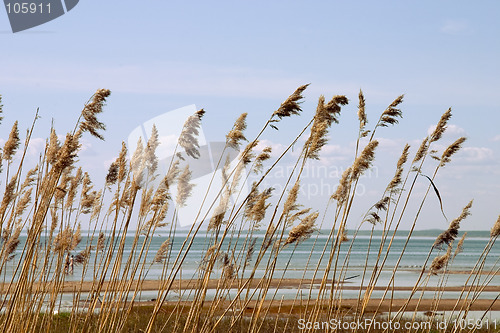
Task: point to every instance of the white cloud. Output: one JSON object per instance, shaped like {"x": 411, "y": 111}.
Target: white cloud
{"x": 477, "y": 154}
{"x": 496, "y": 138}
{"x": 451, "y": 131}
{"x": 277, "y": 148}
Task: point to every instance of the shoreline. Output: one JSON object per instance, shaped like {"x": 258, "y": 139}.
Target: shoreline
{"x": 190, "y": 284}
{"x": 297, "y": 307}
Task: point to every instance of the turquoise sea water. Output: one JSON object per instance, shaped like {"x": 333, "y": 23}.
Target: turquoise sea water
{"x": 302, "y": 260}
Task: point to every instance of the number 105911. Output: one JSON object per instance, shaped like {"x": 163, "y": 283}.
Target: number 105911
{"x": 27, "y": 8}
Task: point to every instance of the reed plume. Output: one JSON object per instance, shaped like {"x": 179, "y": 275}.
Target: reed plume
{"x": 12, "y": 144}
{"x": 88, "y": 197}
{"x": 82, "y": 256}
{"x": 343, "y": 188}
{"x": 100, "y": 242}
{"x": 247, "y": 155}
{"x": 364, "y": 161}
{"x": 150, "y": 152}
{"x": 162, "y": 252}
{"x": 184, "y": 188}
{"x": 76, "y": 181}
{"x": 451, "y": 150}
{"x": 440, "y": 127}
{"x": 91, "y": 110}
{"x": 67, "y": 155}
{"x": 291, "y": 106}
{"x": 53, "y": 147}
{"x": 12, "y": 244}
{"x": 396, "y": 180}
{"x": 259, "y": 160}
{"x": 460, "y": 245}
{"x": 303, "y": 230}
{"x": 326, "y": 114}
{"x": 361, "y": 111}
{"x": 440, "y": 262}
{"x": 422, "y": 150}
{"x": 23, "y": 202}
{"x": 8, "y": 196}
{"x": 259, "y": 205}
{"x": 250, "y": 251}
{"x": 291, "y": 201}
{"x": 392, "y": 113}
{"x": 172, "y": 174}
{"x": 235, "y": 135}
{"x": 188, "y": 139}
{"x": 76, "y": 238}
{"x": 447, "y": 236}
{"x": 136, "y": 160}
{"x": 1, "y": 109}
{"x": 96, "y": 208}
{"x": 122, "y": 163}
{"x": 30, "y": 178}
{"x": 495, "y": 230}
{"x": 112, "y": 176}
{"x": 63, "y": 240}
{"x": 62, "y": 188}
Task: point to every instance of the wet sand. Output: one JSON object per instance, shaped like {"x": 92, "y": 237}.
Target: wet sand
{"x": 286, "y": 306}
{"x": 150, "y": 285}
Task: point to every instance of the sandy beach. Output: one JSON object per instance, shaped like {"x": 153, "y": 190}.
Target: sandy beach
{"x": 286, "y": 305}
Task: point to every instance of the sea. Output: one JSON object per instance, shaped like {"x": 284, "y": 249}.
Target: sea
{"x": 356, "y": 261}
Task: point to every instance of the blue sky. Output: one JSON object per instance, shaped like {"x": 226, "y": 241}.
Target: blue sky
{"x": 233, "y": 57}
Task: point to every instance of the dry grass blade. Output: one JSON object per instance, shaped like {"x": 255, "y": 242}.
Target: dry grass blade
{"x": 437, "y": 194}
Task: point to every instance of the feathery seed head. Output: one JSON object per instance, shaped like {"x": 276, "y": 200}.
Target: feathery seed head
{"x": 361, "y": 110}
{"x": 184, "y": 188}
{"x": 451, "y": 150}
{"x": 364, "y": 161}
{"x": 89, "y": 113}
{"x": 234, "y": 136}
{"x": 303, "y": 230}
{"x": 447, "y": 236}
{"x": 188, "y": 139}
{"x": 12, "y": 143}
{"x": 441, "y": 126}
{"x": 291, "y": 106}
{"x": 343, "y": 188}
{"x": 495, "y": 230}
